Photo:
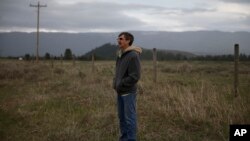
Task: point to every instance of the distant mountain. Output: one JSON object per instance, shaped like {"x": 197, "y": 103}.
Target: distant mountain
{"x": 18, "y": 44}
{"x": 108, "y": 52}
{"x": 197, "y": 42}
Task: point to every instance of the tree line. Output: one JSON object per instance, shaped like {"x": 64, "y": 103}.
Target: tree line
{"x": 108, "y": 52}
{"x": 242, "y": 57}
{"x": 68, "y": 55}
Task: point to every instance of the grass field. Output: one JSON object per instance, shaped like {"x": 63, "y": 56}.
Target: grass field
{"x": 191, "y": 101}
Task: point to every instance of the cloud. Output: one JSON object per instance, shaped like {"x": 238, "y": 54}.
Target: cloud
{"x": 77, "y": 16}
{"x": 87, "y": 16}
{"x": 15, "y": 14}
{"x": 103, "y": 16}
{"x": 237, "y": 1}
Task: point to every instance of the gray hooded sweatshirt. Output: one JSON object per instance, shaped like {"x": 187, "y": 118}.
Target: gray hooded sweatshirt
{"x": 127, "y": 71}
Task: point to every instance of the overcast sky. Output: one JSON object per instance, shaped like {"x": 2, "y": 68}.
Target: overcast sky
{"x": 126, "y": 15}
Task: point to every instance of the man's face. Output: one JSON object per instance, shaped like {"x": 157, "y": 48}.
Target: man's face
{"x": 122, "y": 42}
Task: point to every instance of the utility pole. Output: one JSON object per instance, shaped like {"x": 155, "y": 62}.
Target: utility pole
{"x": 38, "y": 6}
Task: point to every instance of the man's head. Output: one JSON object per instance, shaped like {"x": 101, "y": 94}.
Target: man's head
{"x": 125, "y": 39}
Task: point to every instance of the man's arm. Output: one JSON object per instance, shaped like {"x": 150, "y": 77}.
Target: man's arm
{"x": 134, "y": 69}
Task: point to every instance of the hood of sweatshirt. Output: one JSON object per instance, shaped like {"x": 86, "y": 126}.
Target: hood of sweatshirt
{"x": 135, "y": 48}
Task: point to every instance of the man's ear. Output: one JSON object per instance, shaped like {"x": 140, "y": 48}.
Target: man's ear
{"x": 128, "y": 41}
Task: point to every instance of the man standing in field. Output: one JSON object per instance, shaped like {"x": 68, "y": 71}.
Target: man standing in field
{"x": 125, "y": 83}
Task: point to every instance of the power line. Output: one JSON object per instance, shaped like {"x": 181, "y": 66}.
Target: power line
{"x": 38, "y": 6}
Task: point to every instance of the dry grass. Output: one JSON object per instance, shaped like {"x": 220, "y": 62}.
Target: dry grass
{"x": 191, "y": 101}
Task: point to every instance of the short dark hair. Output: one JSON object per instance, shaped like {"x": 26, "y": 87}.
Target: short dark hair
{"x": 128, "y": 36}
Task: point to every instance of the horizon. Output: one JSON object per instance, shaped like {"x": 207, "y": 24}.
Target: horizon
{"x": 197, "y": 42}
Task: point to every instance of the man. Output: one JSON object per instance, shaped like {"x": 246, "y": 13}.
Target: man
{"x": 126, "y": 77}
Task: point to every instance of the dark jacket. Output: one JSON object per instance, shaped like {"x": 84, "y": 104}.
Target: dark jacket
{"x": 127, "y": 71}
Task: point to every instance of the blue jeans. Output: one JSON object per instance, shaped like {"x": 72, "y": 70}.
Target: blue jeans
{"x": 127, "y": 116}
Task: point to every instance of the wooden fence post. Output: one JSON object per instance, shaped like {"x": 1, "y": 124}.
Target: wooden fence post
{"x": 236, "y": 69}
{"x": 93, "y": 62}
{"x": 73, "y": 58}
{"x": 61, "y": 58}
{"x": 52, "y": 61}
{"x": 155, "y": 64}
{"x": 33, "y": 59}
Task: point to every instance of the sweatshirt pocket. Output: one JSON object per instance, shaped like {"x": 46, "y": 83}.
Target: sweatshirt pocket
{"x": 121, "y": 87}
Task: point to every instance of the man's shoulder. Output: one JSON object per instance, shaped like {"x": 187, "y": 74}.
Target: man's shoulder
{"x": 132, "y": 53}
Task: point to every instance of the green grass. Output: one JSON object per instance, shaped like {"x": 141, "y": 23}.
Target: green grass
{"x": 191, "y": 101}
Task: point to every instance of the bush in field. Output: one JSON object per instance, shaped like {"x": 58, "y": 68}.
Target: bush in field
{"x": 47, "y": 56}
{"x": 27, "y": 57}
{"x": 68, "y": 54}
{"x": 184, "y": 67}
